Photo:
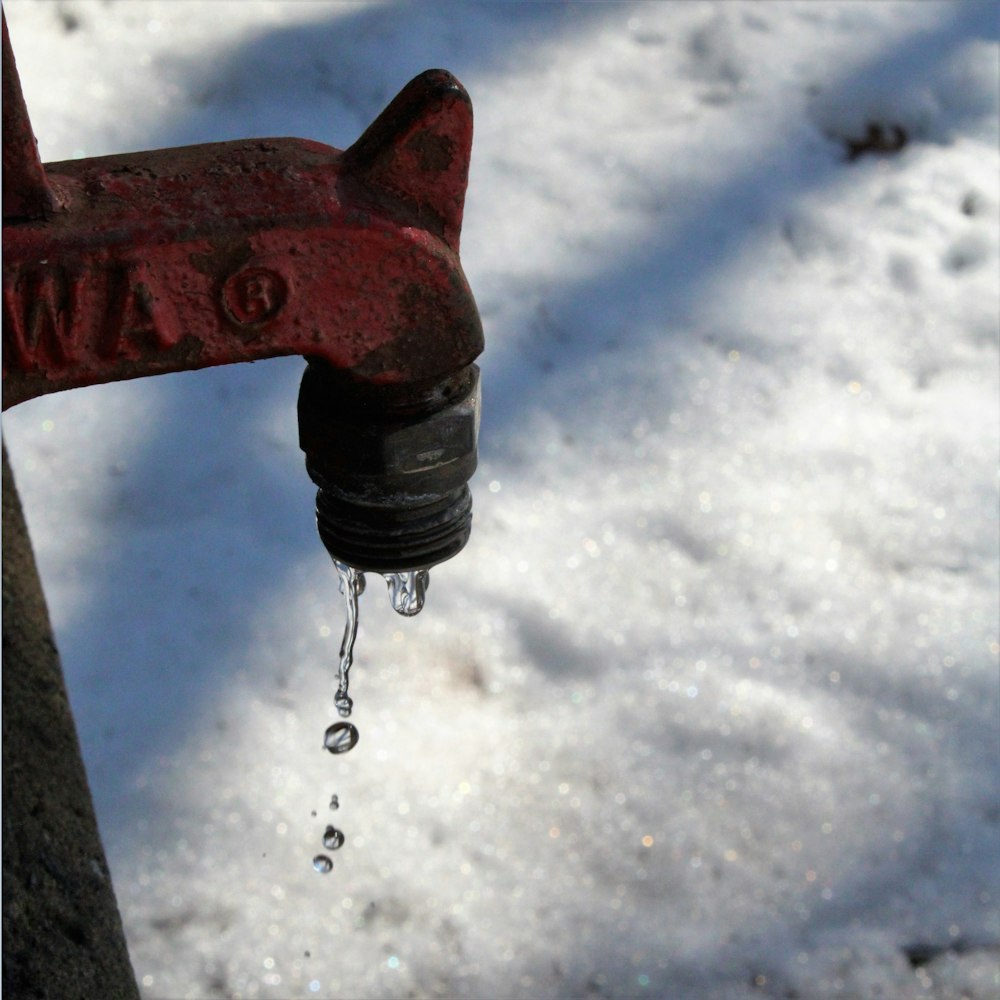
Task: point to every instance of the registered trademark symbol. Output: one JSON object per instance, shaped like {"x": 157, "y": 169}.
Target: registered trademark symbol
{"x": 254, "y": 295}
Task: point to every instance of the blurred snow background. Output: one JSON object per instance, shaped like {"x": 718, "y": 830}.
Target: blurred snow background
{"x": 709, "y": 705}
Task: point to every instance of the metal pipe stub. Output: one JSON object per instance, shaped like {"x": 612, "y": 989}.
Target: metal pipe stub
{"x": 392, "y": 464}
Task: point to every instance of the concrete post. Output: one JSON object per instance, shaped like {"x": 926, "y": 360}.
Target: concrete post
{"x": 62, "y": 933}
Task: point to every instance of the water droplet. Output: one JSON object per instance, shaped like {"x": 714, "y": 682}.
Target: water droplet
{"x": 332, "y": 838}
{"x": 407, "y": 590}
{"x": 340, "y": 737}
{"x": 322, "y": 864}
{"x": 334, "y": 801}
{"x": 344, "y": 703}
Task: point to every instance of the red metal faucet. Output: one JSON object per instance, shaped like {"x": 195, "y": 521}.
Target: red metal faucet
{"x": 116, "y": 267}
{"x": 122, "y": 266}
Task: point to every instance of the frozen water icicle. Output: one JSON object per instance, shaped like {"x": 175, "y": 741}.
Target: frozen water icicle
{"x": 352, "y": 586}
{"x": 407, "y": 590}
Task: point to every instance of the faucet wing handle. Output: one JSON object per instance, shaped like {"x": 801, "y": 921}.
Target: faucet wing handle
{"x": 417, "y": 152}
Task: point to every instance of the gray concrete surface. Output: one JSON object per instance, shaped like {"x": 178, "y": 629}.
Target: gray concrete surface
{"x": 62, "y": 933}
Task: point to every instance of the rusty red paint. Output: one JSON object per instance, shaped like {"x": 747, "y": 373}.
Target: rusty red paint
{"x": 205, "y": 255}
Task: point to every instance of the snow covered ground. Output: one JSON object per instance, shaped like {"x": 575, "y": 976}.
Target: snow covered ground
{"x": 708, "y": 708}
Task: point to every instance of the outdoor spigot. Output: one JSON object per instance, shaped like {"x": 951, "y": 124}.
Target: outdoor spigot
{"x": 170, "y": 260}
{"x": 392, "y": 452}
{"x": 123, "y": 266}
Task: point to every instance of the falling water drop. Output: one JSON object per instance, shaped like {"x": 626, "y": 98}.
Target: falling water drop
{"x": 322, "y": 864}
{"x": 332, "y": 838}
{"x": 352, "y": 586}
{"x": 334, "y": 801}
{"x": 340, "y": 737}
{"x": 407, "y": 590}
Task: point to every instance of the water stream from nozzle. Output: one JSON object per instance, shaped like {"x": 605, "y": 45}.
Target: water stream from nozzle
{"x": 352, "y": 586}
{"x": 407, "y": 591}
{"x": 406, "y": 594}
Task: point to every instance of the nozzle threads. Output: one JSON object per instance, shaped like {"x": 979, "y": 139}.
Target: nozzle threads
{"x": 397, "y": 538}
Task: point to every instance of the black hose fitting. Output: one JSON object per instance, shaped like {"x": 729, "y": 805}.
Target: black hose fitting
{"x": 392, "y": 466}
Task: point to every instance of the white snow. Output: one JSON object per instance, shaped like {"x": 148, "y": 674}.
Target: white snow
{"x": 709, "y": 705}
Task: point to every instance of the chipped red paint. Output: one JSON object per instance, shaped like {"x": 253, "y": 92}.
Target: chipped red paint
{"x": 205, "y": 255}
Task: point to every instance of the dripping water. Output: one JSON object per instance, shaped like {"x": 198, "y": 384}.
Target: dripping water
{"x": 333, "y": 838}
{"x": 406, "y": 594}
{"x": 352, "y": 586}
{"x": 407, "y": 590}
{"x": 340, "y": 737}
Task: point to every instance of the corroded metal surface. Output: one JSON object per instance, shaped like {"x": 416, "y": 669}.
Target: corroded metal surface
{"x": 62, "y": 933}
{"x": 204, "y": 255}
